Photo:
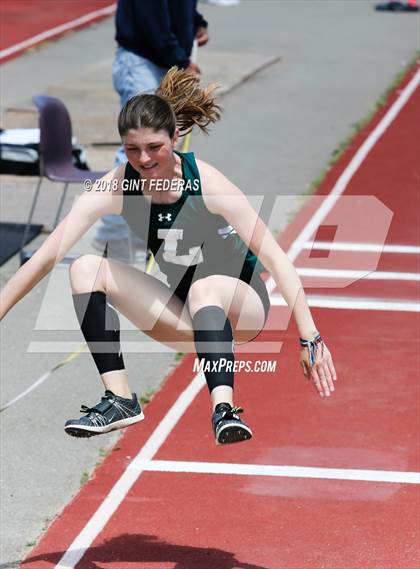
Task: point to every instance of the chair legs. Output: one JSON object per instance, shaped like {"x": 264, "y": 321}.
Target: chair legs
{"x": 31, "y": 213}
{"x": 130, "y": 248}
{"x": 28, "y": 223}
{"x": 60, "y": 207}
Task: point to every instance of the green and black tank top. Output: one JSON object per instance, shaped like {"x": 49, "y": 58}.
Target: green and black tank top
{"x": 185, "y": 238}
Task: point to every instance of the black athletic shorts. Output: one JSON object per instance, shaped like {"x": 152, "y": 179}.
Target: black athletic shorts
{"x": 181, "y": 290}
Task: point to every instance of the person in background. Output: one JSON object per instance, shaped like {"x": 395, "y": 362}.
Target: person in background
{"x": 207, "y": 240}
{"x": 409, "y": 6}
{"x": 152, "y": 36}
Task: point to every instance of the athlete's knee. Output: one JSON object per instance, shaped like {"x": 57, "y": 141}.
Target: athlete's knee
{"x": 203, "y": 293}
{"x": 85, "y": 272}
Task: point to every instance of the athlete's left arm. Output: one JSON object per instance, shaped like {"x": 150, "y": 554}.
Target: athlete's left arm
{"x": 222, "y": 197}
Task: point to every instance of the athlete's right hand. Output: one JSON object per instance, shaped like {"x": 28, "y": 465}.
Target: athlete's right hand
{"x": 322, "y": 372}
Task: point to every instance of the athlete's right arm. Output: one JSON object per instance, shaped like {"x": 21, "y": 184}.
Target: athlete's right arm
{"x": 104, "y": 198}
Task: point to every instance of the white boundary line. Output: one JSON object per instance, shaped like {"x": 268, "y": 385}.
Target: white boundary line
{"x": 347, "y": 174}
{"x": 107, "y": 11}
{"x": 34, "y": 385}
{"x": 120, "y": 489}
{"x": 363, "y": 247}
{"x": 353, "y": 303}
{"x": 350, "y": 274}
{"x": 134, "y": 347}
{"x": 341, "y": 303}
{"x": 278, "y": 471}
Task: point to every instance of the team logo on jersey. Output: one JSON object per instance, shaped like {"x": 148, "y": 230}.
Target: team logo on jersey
{"x": 224, "y": 232}
{"x": 168, "y": 216}
{"x": 170, "y": 248}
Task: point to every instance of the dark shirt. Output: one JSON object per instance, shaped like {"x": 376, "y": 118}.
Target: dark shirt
{"x": 162, "y": 31}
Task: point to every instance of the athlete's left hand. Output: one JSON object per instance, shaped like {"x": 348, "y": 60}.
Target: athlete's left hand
{"x": 322, "y": 373}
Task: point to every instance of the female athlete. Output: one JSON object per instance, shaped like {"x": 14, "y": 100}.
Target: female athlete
{"x": 206, "y": 239}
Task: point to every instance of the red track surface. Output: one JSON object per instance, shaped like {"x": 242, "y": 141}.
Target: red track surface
{"x": 22, "y": 20}
{"x": 218, "y": 521}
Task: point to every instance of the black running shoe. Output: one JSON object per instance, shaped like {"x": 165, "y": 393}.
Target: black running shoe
{"x": 227, "y": 426}
{"x": 111, "y": 413}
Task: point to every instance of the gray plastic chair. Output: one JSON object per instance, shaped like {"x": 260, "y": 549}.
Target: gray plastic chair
{"x": 56, "y": 160}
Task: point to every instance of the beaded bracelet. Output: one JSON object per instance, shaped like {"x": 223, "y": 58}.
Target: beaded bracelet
{"x": 312, "y": 346}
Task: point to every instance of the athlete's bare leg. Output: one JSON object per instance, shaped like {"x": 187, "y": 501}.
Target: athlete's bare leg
{"x": 143, "y": 299}
{"x": 150, "y": 306}
{"x": 242, "y": 306}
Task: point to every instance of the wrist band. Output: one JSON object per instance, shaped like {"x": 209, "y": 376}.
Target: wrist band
{"x": 312, "y": 346}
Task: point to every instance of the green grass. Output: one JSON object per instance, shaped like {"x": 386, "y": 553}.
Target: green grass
{"x": 84, "y": 477}
{"x": 359, "y": 125}
{"x": 314, "y": 185}
{"x": 147, "y": 396}
{"x": 149, "y": 393}
{"x": 46, "y": 523}
{"x": 104, "y": 452}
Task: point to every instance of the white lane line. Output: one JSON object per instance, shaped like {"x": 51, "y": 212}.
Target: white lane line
{"x": 36, "y": 384}
{"x": 362, "y": 247}
{"x": 332, "y": 302}
{"x": 341, "y": 184}
{"x": 350, "y": 274}
{"x": 127, "y": 347}
{"x": 45, "y": 376}
{"x": 353, "y": 303}
{"x": 121, "y": 488}
{"x": 107, "y": 11}
{"x": 117, "y": 494}
{"x": 278, "y": 471}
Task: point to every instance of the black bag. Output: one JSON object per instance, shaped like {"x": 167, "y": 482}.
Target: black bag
{"x": 19, "y": 152}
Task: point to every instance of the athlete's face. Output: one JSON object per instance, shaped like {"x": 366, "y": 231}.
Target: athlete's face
{"x": 150, "y": 152}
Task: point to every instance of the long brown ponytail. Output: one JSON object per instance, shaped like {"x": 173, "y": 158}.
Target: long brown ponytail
{"x": 180, "y": 101}
{"x": 193, "y": 105}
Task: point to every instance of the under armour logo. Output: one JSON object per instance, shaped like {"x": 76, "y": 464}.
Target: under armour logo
{"x": 168, "y": 217}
